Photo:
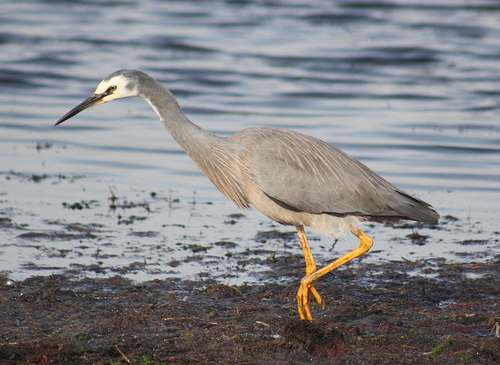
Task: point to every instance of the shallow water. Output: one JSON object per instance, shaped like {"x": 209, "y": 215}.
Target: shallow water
{"x": 409, "y": 88}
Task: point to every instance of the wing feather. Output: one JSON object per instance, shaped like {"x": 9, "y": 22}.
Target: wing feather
{"x": 309, "y": 175}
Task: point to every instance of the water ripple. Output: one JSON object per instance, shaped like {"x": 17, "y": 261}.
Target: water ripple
{"x": 411, "y": 88}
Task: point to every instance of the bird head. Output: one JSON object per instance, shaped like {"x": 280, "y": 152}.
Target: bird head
{"x": 120, "y": 84}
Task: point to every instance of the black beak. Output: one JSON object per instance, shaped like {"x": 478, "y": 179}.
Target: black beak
{"x": 87, "y": 103}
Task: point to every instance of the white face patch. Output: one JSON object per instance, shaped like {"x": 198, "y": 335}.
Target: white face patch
{"x": 123, "y": 88}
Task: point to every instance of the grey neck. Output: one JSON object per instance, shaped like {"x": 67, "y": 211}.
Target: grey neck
{"x": 192, "y": 138}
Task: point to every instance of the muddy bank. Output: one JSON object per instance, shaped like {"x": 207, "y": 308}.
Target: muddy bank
{"x": 398, "y": 312}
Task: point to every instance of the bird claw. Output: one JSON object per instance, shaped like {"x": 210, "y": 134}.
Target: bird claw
{"x": 304, "y": 296}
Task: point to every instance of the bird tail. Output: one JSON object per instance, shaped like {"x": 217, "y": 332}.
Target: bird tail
{"x": 415, "y": 209}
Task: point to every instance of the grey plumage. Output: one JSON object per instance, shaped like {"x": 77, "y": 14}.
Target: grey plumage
{"x": 290, "y": 177}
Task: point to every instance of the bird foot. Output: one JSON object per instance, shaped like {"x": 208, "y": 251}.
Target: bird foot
{"x": 304, "y": 296}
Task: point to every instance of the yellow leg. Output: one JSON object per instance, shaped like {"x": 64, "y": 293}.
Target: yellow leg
{"x": 306, "y": 289}
{"x": 310, "y": 267}
{"x": 310, "y": 263}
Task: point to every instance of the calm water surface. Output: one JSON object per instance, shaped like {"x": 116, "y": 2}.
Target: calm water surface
{"x": 411, "y": 88}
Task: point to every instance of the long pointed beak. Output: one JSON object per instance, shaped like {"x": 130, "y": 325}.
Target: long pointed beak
{"x": 87, "y": 103}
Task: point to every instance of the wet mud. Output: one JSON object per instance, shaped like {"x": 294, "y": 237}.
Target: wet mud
{"x": 426, "y": 312}
{"x": 423, "y": 311}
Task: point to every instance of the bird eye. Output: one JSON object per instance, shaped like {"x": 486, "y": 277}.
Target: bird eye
{"x": 111, "y": 89}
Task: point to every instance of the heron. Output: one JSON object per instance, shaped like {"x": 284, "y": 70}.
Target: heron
{"x": 292, "y": 178}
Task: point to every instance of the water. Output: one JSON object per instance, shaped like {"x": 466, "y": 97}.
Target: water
{"x": 410, "y": 88}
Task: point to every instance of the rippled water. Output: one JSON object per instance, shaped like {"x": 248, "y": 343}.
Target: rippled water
{"x": 411, "y": 88}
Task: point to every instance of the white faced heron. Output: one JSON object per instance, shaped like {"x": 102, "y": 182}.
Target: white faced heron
{"x": 292, "y": 178}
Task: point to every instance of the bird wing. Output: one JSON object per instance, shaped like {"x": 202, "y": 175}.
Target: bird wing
{"x": 305, "y": 174}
